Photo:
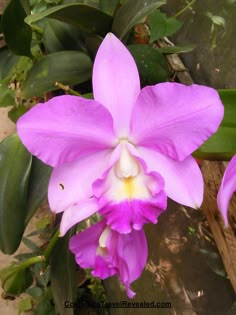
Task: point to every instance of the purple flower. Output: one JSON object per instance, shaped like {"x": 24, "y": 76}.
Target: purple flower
{"x": 227, "y": 188}
{"x": 123, "y": 152}
{"x": 110, "y": 253}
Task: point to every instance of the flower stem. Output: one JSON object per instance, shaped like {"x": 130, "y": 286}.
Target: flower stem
{"x": 184, "y": 9}
{"x": 37, "y": 29}
{"x": 51, "y": 245}
{"x": 67, "y": 89}
{"x": 9, "y": 271}
{"x": 30, "y": 261}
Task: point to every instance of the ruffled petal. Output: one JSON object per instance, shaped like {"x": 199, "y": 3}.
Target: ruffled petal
{"x": 108, "y": 253}
{"x": 84, "y": 245}
{"x": 227, "y": 188}
{"x": 116, "y": 82}
{"x": 128, "y": 215}
{"x": 66, "y": 128}
{"x": 72, "y": 182}
{"x": 175, "y": 119}
{"x": 183, "y": 179}
{"x": 132, "y": 202}
{"x": 102, "y": 268}
{"x": 77, "y": 213}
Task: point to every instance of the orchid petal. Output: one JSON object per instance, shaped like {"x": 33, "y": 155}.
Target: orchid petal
{"x": 116, "y": 82}
{"x": 227, "y": 188}
{"x": 175, "y": 119}
{"x": 130, "y": 203}
{"x": 102, "y": 269}
{"x": 84, "y": 245}
{"x": 128, "y": 215}
{"x": 108, "y": 253}
{"x": 76, "y": 213}
{"x": 132, "y": 250}
{"x": 66, "y": 128}
{"x": 72, "y": 181}
{"x": 183, "y": 179}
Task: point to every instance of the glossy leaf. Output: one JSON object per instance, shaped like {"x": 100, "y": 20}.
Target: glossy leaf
{"x": 38, "y": 186}
{"x": 3, "y": 57}
{"x": 15, "y": 163}
{"x": 214, "y": 261}
{"x": 151, "y": 64}
{"x": 63, "y": 275}
{"x": 92, "y": 44}
{"x": 13, "y": 67}
{"x": 108, "y": 6}
{"x": 15, "y": 283}
{"x": 35, "y": 292}
{"x": 17, "y": 33}
{"x": 222, "y": 145}
{"x": 86, "y": 18}
{"x": 92, "y": 3}
{"x": 131, "y": 13}
{"x": 7, "y": 96}
{"x": 16, "y": 112}
{"x": 67, "y": 67}
{"x": 59, "y": 36}
{"x": 161, "y": 26}
{"x": 176, "y": 49}
{"x": 25, "y": 305}
{"x": 8, "y": 61}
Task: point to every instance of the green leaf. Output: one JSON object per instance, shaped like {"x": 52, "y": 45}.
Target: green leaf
{"x": 38, "y": 186}
{"x": 176, "y": 49}
{"x": 151, "y": 64}
{"x": 31, "y": 245}
{"x": 133, "y": 12}
{"x": 89, "y": 96}
{"x": 58, "y": 36}
{"x": 222, "y": 145}
{"x": 42, "y": 223}
{"x": 15, "y": 163}
{"x": 17, "y": 33}
{"x": 35, "y": 292}
{"x": 63, "y": 275}
{"x": 3, "y": 56}
{"x": 42, "y": 274}
{"x": 108, "y": 6}
{"x": 15, "y": 282}
{"x": 25, "y": 305}
{"x": 16, "y": 112}
{"x": 7, "y": 96}
{"x": 67, "y": 67}
{"x": 214, "y": 261}
{"x": 92, "y": 44}
{"x": 44, "y": 306}
{"x": 161, "y": 26}
{"x": 7, "y": 62}
{"x": 86, "y": 18}
{"x": 13, "y": 68}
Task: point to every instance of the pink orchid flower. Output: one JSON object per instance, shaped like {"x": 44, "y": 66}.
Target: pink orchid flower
{"x": 110, "y": 253}
{"x": 227, "y": 188}
{"x": 123, "y": 152}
